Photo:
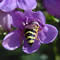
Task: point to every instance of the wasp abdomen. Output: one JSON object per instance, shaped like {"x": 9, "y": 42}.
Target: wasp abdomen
{"x": 30, "y": 36}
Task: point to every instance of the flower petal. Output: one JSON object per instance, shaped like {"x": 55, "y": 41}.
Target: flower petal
{"x": 31, "y": 49}
{"x": 53, "y": 7}
{"x": 27, "y": 4}
{"x": 7, "y": 6}
{"x": 36, "y": 16}
{"x": 18, "y": 18}
{"x": 49, "y": 34}
{"x": 5, "y": 20}
{"x": 12, "y": 41}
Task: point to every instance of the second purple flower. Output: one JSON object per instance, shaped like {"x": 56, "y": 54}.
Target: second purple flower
{"x": 10, "y": 5}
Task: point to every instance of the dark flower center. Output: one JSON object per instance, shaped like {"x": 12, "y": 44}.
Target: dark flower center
{"x": 1, "y": 0}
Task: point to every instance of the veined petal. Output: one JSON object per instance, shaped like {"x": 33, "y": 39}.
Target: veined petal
{"x": 35, "y": 16}
{"x": 31, "y": 49}
{"x": 53, "y": 7}
{"x": 5, "y": 20}
{"x": 13, "y": 40}
{"x": 27, "y": 4}
{"x": 18, "y": 18}
{"x": 48, "y": 35}
{"x": 7, "y": 6}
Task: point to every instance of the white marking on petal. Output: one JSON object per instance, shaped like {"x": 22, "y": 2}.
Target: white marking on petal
{"x": 27, "y": 21}
{"x": 23, "y": 23}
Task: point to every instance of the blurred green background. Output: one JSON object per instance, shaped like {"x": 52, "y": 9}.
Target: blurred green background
{"x": 46, "y": 51}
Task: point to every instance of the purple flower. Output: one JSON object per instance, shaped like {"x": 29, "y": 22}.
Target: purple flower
{"x": 46, "y": 33}
{"x": 9, "y": 5}
{"x": 53, "y": 7}
{"x": 5, "y": 20}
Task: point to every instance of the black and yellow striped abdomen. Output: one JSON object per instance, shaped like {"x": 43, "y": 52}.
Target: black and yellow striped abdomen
{"x": 30, "y": 35}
